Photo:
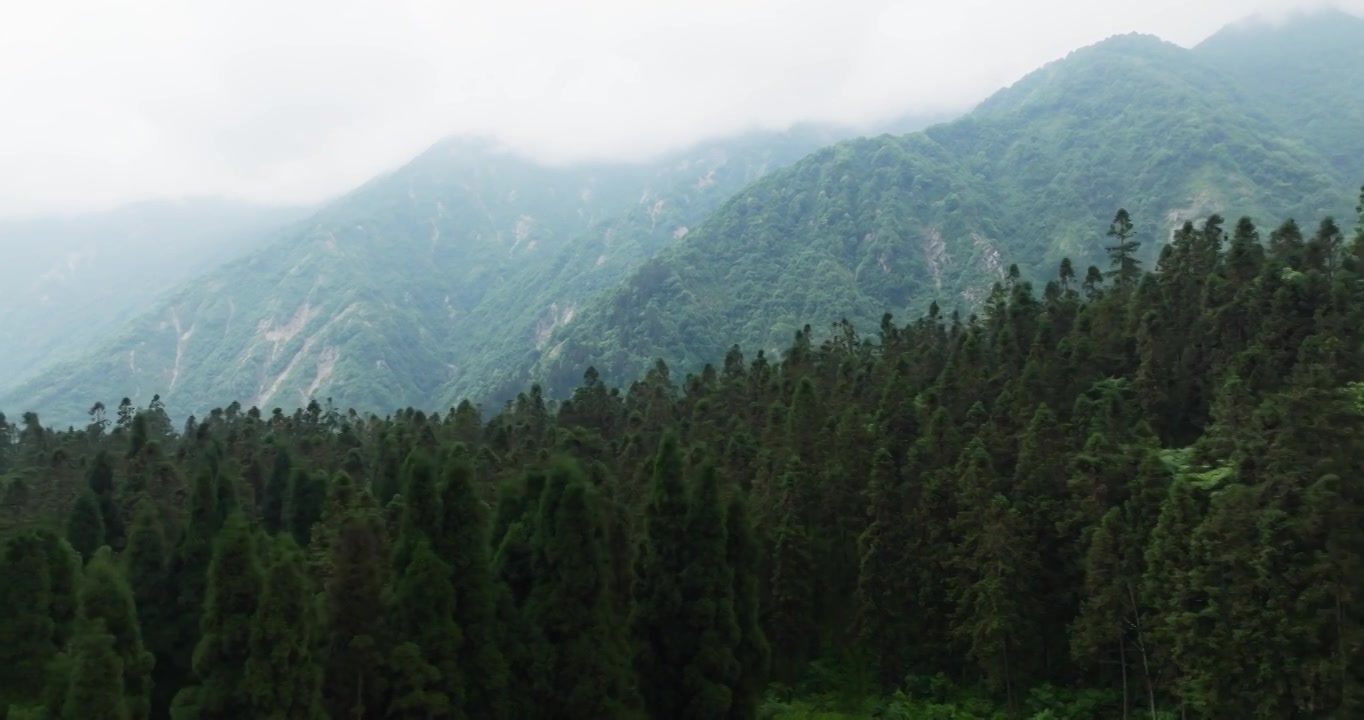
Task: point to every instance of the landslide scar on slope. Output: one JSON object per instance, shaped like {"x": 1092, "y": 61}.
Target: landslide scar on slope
{"x": 277, "y": 336}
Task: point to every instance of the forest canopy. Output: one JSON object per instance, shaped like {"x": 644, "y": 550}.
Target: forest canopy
{"x": 1131, "y": 492}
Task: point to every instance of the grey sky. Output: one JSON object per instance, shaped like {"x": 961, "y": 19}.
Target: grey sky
{"x": 118, "y": 100}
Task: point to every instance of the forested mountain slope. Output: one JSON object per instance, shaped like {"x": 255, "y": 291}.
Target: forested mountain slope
{"x": 70, "y": 281}
{"x": 1305, "y": 74}
{"x": 881, "y": 224}
{"x": 407, "y": 288}
{"x": 1130, "y": 496}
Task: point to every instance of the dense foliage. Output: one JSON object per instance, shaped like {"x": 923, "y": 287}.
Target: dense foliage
{"x": 1133, "y": 493}
{"x": 895, "y": 223}
{"x": 1267, "y": 62}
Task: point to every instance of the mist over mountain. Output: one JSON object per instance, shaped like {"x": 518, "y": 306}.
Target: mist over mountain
{"x": 472, "y": 270}
{"x": 70, "y": 280}
{"x": 1052, "y": 409}
{"x": 1032, "y": 176}
{"x": 440, "y": 279}
{"x": 1303, "y": 74}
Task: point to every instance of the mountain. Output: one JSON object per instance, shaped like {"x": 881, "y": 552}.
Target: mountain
{"x": 1034, "y": 174}
{"x": 437, "y": 280}
{"x": 70, "y": 280}
{"x": 513, "y": 319}
{"x": 1306, "y": 73}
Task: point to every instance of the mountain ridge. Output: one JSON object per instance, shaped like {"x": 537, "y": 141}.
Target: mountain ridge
{"x": 1132, "y": 121}
{"x": 383, "y": 295}
{"x": 73, "y": 278}
{"x": 470, "y": 272}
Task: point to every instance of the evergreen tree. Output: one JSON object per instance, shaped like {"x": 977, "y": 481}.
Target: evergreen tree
{"x": 355, "y": 642}
{"x": 712, "y": 670}
{"x": 283, "y": 675}
{"x": 26, "y": 626}
{"x": 188, "y": 580}
{"x": 993, "y": 562}
{"x": 96, "y": 682}
{"x": 146, "y": 566}
{"x": 663, "y": 641}
{"x": 106, "y": 601}
{"x": 230, "y": 603}
{"x": 884, "y": 595}
{"x": 426, "y": 677}
{"x": 589, "y": 674}
{"x": 85, "y": 528}
{"x": 1126, "y": 268}
{"x": 753, "y": 652}
{"x": 101, "y": 481}
{"x": 307, "y": 494}
{"x": 463, "y": 543}
{"x": 1168, "y": 585}
{"x": 790, "y": 622}
{"x": 64, "y": 573}
{"x": 421, "y": 506}
{"x": 277, "y": 491}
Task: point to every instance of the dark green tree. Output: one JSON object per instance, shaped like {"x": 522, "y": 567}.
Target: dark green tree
{"x": 790, "y": 624}
{"x": 355, "y": 643}
{"x": 26, "y": 626}
{"x": 100, "y": 478}
{"x": 463, "y": 544}
{"x": 95, "y": 691}
{"x": 993, "y": 563}
{"x": 283, "y": 675}
{"x": 188, "y": 581}
{"x": 277, "y": 491}
{"x": 712, "y": 671}
{"x": 106, "y": 600}
{"x": 884, "y": 594}
{"x": 589, "y": 674}
{"x": 307, "y": 495}
{"x": 231, "y": 600}
{"x": 753, "y": 652}
{"x": 427, "y": 642}
{"x": 663, "y": 641}
{"x": 1125, "y": 267}
{"x": 64, "y": 574}
{"x": 85, "y": 527}
{"x": 146, "y": 566}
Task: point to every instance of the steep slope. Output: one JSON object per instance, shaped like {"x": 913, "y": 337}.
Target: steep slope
{"x": 1034, "y": 174}
{"x": 1307, "y": 74}
{"x": 419, "y": 287}
{"x": 514, "y": 320}
{"x": 71, "y": 280}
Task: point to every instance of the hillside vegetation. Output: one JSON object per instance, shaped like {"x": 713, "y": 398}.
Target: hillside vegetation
{"x": 1130, "y": 494}
{"x": 1305, "y": 75}
{"x": 425, "y": 283}
{"x": 454, "y": 263}
{"x": 892, "y": 224}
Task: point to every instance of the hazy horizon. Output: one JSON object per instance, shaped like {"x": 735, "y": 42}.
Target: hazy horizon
{"x": 127, "y": 102}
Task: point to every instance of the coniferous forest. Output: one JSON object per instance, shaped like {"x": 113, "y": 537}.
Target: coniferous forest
{"x": 1133, "y": 492}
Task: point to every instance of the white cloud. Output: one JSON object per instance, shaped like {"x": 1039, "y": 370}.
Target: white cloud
{"x": 292, "y": 101}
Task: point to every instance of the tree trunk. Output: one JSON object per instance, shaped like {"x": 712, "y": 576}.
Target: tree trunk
{"x": 1122, "y": 663}
{"x": 1141, "y": 644}
{"x": 1008, "y": 684}
{"x": 1344, "y": 656}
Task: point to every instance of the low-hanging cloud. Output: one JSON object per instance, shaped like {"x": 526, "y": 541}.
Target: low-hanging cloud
{"x": 291, "y": 102}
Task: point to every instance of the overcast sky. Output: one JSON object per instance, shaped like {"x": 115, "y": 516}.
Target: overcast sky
{"x": 109, "y": 101}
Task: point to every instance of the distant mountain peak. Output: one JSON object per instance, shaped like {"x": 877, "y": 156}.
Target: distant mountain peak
{"x": 1095, "y": 70}
{"x": 1319, "y": 24}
